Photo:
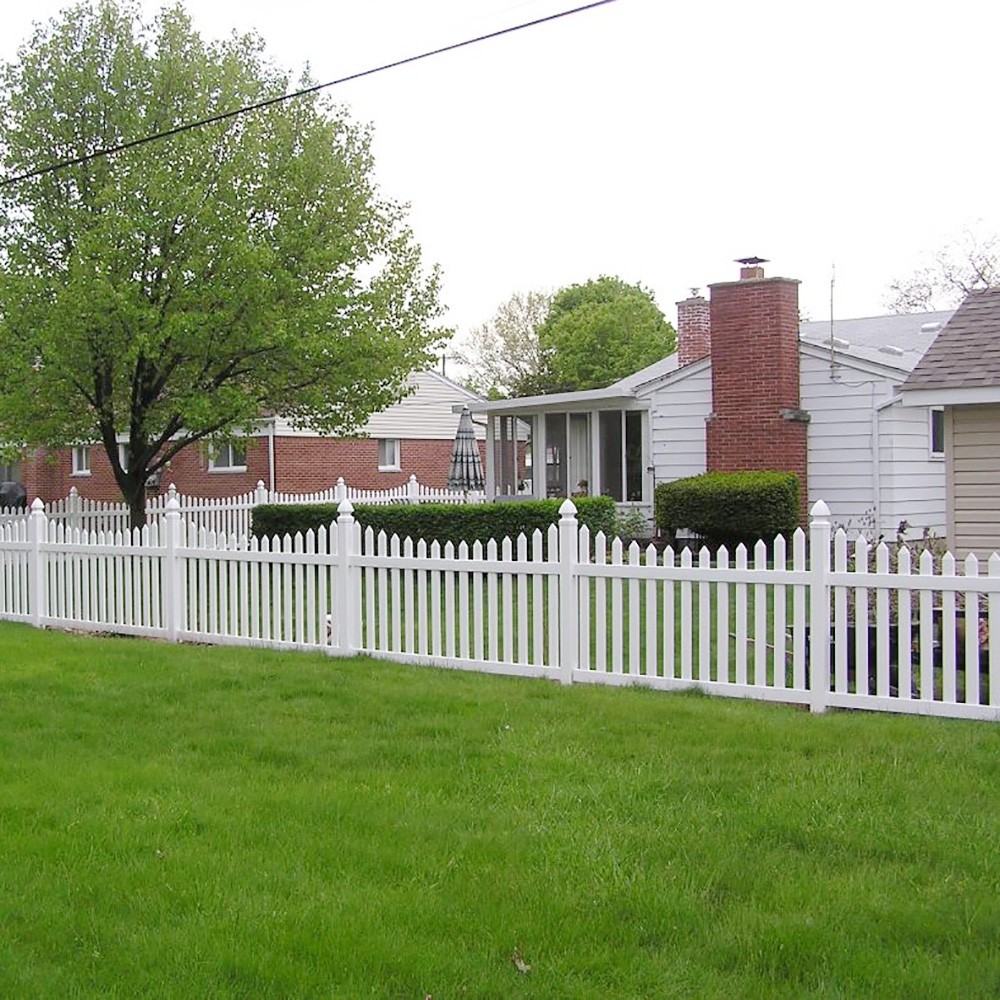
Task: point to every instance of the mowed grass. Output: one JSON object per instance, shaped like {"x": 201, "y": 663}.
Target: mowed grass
{"x": 180, "y": 822}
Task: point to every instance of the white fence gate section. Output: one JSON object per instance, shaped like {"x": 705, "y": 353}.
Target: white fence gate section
{"x": 809, "y": 626}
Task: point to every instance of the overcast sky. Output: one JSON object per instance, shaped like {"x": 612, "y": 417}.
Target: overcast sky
{"x": 657, "y": 140}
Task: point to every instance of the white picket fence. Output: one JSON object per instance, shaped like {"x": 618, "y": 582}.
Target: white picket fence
{"x": 566, "y": 606}
{"x": 227, "y": 515}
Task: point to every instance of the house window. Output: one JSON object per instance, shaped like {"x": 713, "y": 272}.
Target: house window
{"x": 388, "y": 455}
{"x": 81, "y": 460}
{"x": 10, "y": 472}
{"x": 937, "y": 432}
{"x": 228, "y": 458}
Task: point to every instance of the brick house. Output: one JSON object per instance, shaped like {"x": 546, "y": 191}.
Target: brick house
{"x": 749, "y": 387}
{"x": 413, "y": 436}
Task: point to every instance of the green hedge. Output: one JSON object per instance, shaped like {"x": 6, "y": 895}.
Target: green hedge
{"x": 442, "y": 522}
{"x": 727, "y": 508}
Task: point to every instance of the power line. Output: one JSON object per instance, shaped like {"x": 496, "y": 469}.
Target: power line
{"x": 245, "y": 109}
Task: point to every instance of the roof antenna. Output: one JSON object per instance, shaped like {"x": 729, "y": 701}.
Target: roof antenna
{"x": 834, "y": 374}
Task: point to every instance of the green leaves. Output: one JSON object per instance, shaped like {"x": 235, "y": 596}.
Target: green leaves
{"x": 193, "y": 281}
{"x": 599, "y": 332}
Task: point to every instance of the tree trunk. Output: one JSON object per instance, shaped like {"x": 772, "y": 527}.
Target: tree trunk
{"x": 135, "y": 497}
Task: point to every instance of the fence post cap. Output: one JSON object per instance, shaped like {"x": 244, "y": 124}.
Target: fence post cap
{"x": 37, "y": 506}
{"x": 173, "y": 506}
{"x": 73, "y": 491}
{"x": 819, "y": 509}
{"x": 260, "y": 484}
{"x": 567, "y": 509}
{"x": 340, "y": 480}
{"x": 345, "y": 507}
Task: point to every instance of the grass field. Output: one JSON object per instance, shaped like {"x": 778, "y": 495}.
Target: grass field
{"x": 181, "y": 822}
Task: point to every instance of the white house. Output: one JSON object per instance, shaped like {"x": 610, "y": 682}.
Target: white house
{"x": 749, "y": 387}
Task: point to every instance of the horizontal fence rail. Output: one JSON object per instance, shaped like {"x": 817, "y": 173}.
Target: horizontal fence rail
{"x": 823, "y": 621}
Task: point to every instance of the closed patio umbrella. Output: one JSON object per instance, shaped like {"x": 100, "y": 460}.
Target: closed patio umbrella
{"x": 466, "y": 470}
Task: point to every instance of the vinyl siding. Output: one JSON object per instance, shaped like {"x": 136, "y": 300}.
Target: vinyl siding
{"x": 677, "y": 424}
{"x": 972, "y": 433}
{"x": 425, "y": 414}
{"x": 913, "y": 483}
{"x": 841, "y": 439}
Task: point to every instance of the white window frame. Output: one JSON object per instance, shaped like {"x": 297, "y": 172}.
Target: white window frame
{"x": 81, "y": 460}
{"x": 123, "y": 455}
{"x": 389, "y": 455}
{"x": 930, "y": 432}
{"x": 225, "y": 458}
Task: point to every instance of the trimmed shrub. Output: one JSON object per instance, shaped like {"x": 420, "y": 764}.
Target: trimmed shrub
{"x": 440, "y": 522}
{"x": 727, "y": 508}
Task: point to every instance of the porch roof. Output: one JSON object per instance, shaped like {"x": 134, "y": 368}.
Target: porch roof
{"x": 618, "y": 394}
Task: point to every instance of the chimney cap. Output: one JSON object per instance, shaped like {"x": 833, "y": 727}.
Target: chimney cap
{"x": 752, "y": 261}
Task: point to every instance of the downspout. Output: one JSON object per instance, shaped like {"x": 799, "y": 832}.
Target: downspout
{"x": 270, "y": 454}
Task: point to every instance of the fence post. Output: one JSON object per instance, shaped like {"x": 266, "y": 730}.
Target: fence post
{"x": 412, "y": 489}
{"x": 173, "y": 582}
{"x": 569, "y": 610}
{"x": 38, "y": 583}
{"x": 260, "y": 493}
{"x": 341, "y": 489}
{"x": 348, "y": 585}
{"x": 73, "y": 514}
{"x": 819, "y": 606}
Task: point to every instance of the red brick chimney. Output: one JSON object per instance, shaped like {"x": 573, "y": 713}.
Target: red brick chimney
{"x": 694, "y": 329}
{"x": 757, "y": 422}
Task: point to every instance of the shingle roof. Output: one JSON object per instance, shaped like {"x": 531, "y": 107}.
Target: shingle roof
{"x": 966, "y": 353}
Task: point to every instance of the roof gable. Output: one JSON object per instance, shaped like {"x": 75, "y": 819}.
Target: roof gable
{"x": 966, "y": 353}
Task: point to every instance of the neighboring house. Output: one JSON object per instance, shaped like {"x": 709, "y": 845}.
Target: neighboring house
{"x": 961, "y": 374}
{"x": 412, "y": 437}
{"x": 748, "y": 388}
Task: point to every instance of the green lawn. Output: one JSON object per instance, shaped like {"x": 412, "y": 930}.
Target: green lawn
{"x": 197, "y": 822}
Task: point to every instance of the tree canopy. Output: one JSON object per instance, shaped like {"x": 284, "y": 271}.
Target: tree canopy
{"x": 967, "y": 262}
{"x": 599, "y": 332}
{"x": 502, "y": 357}
{"x": 173, "y": 292}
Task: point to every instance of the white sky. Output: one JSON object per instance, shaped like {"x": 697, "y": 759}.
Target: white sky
{"x": 657, "y": 140}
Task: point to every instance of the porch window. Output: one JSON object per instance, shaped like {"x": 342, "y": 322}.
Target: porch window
{"x": 621, "y": 454}
{"x": 555, "y": 455}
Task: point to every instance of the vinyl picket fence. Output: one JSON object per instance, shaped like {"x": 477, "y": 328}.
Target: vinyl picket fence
{"x": 813, "y": 625}
{"x": 227, "y": 515}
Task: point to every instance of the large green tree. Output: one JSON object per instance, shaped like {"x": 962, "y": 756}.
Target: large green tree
{"x": 599, "y": 332}
{"x": 172, "y": 292}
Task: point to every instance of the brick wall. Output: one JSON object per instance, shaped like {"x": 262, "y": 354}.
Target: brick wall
{"x": 755, "y": 376}
{"x": 302, "y": 465}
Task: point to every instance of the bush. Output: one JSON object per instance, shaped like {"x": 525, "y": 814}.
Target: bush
{"x": 729, "y": 508}
{"x": 438, "y": 521}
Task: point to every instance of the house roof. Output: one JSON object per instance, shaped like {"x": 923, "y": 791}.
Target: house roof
{"x": 966, "y": 353}
{"x": 894, "y": 342}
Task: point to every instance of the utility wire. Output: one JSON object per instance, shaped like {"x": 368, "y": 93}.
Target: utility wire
{"x": 109, "y": 150}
